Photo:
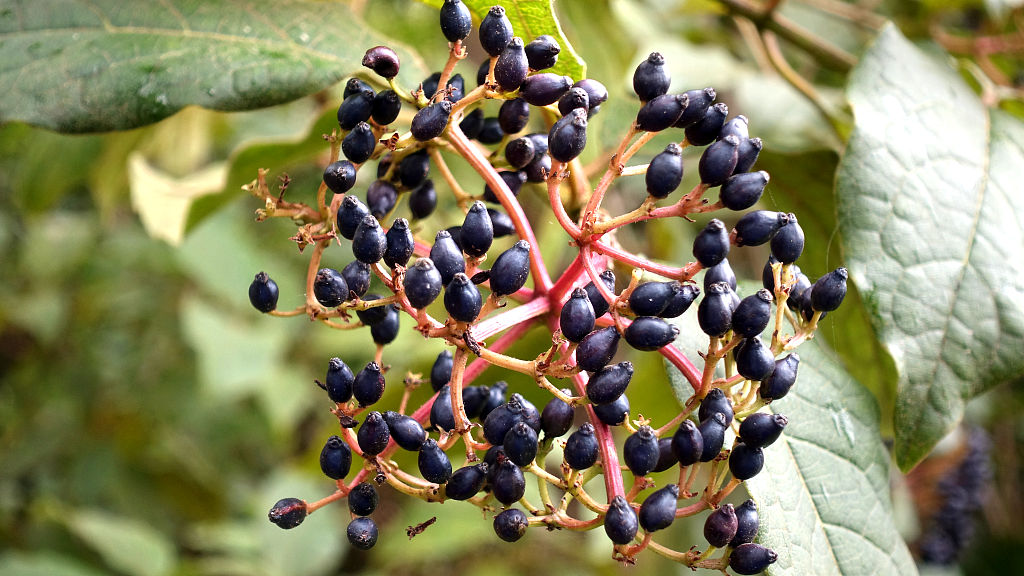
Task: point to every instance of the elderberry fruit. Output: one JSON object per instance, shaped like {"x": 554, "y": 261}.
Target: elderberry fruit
{"x": 712, "y": 432}
{"x": 640, "y": 452}
{"x": 665, "y": 172}
{"x": 687, "y": 443}
{"x": 363, "y": 499}
{"x": 399, "y": 244}
{"x": 385, "y": 331}
{"x": 329, "y": 288}
{"x": 263, "y": 293}
{"x": 681, "y": 300}
{"x": 745, "y": 461}
{"x": 581, "y": 449}
{"x": 381, "y": 197}
{"x": 512, "y": 66}
{"x": 519, "y": 153}
{"x": 354, "y": 86}
{"x": 573, "y": 99}
{"x": 705, "y": 131}
{"x": 597, "y": 94}
{"x": 520, "y": 444}
{"x": 718, "y": 162}
{"x": 751, "y": 558}
{"x": 742, "y": 190}
{"x": 651, "y": 79}
{"x": 568, "y": 136}
{"x": 477, "y": 231}
{"x": 720, "y": 526}
{"x": 747, "y": 523}
{"x": 335, "y": 458}
{"x": 369, "y": 241}
{"x": 422, "y": 283}
{"x": 513, "y": 115}
{"x": 456, "y": 20}
{"x": 423, "y": 200}
{"x": 431, "y": 121}
{"x": 754, "y": 359}
{"x": 447, "y": 256}
{"x": 433, "y": 463}
{"x": 542, "y": 52}
{"x": 495, "y": 398}
{"x": 615, "y": 413}
{"x": 757, "y": 227}
{"x": 751, "y": 317}
{"x": 788, "y": 242}
{"x": 509, "y": 483}
{"x": 782, "y": 378}
{"x": 368, "y": 386}
{"x": 828, "y": 292}
{"x": 596, "y": 299}
{"x": 339, "y": 380}
{"x": 659, "y": 509}
{"x": 714, "y": 313}
{"x": 472, "y": 123}
{"x": 650, "y": 298}
{"x": 382, "y": 60}
{"x": 501, "y": 419}
{"x": 357, "y": 277}
{"x": 620, "y": 522}
{"x": 495, "y": 31}
{"x": 544, "y": 88}
{"x": 373, "y": 434}
{"x": 442, "y": 416}
{"x": 711, "y": 245}
{"x": 514, "y": 180}
{"x": 609, "y": 383}
{"x": 721, "y": 272}
{"x": 666, "y": 459}
{"x": 441, "y": 371}
{"x": 650, "y": 333}
{"x": 387, "y": 105}
{"x": 761, "y": 429}
{"x": 576, "y": 319}
{"x": 340, "y": 176}
{"x": 747, "y": 153}
{"x": 511, "y": 269}
{"x": 510, "y": 525}
{"x": 374, "y": 314}
{"x": 362, "y": 533}
{"x": 288, "y": 513}
{"x": 350, "y": 215}
{"x": 405, "y": 430}
{"x": 355, "y": 109}
{"x": 597, "y": 349}
{"x": 414, "y": 169}
{"x": 466, "y": 482}
{"x": 661, "y": 112}
{"x": 462, "y": 299}
{"x": 557, "y": 416}
{"x": 698, "y": 102}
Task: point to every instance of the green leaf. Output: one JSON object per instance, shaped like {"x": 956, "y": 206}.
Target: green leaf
{"x": 43, "y": 563}
{"x": 532, "y": 18}
{"x": 78, "y": 66}
{"x": 823, "y": 496}
{"x": 127, "y": 545}
{"x": 934, "y": 234}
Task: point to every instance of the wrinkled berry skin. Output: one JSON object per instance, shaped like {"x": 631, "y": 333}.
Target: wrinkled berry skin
{"x": 430, "y": 122}
{"x": 751, "y": 558}
{"x": 573, "y": 99}
{"x": 620, "y": 523}
{"x": 362, "y": 533}
{"x": 597, "y": 94}
{"x": 456, "y": 20}
{"x": 510, "y": 525}
{"x": 340, "y": 176}
{"x": 363, "y": 499}
{"x": 263, "y": 293}
{"x": 329, "y": 288}
{"x": 288, "y": 513}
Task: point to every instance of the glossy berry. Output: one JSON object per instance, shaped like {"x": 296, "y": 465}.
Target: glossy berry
{"x": 431, "y": 121}
{"x": 573, "y": 99}
{"x": 544, "y": 88}
{"x": 581, "y": 449}
{"x": 382, "y": 60}
{"x": 606, "y": 385}
{"x": 705, "y": 131}
{"x": 288, "y": 513}
{"x": 509, "y": 483}
{"x": 368, "y": 386}
{"x": 827, "y": 293}
{"x": 751, "y": 317}
{"x": 747, "y": 153}
{"x": 650, "y": 333}
{"x": 712, "y": 432}
{"x": 329, "y": 288}
{"x": 714, "y": 313}
{"x": 501, "y": 419}
{"x": 340, "y": 176}
{"x": 757, "y": 227}
{"x": 782, "y": 378}
{"x": 387, "y": 105}
{"x": 386, "y": 330}
{"x": 477, "y": 231}
{"x": 423, "y": 200}
{"x": 530, "y": 413}
{"x": 433, "y": 463}
{"x": 718, "y": 161}
{"x": 456, "y": 20}
{"x": 715, "y": 401}
{"x": 500, "y": 223}
{"x": 661, "y": 112}
{"x": 721, "y": 272}
{"x": 355, "y": 109}
{"x": 650, "y": 298}
{"x": 495, "y": 398}
{"x": 711, "y": 245}
{"x": 651, "y": 79}
{"x": 374, "y": 314}
{"x": 659, "y": 509}
{"x": 597, "y": 94}
{"x": 751, "y": 558}
{"x": 491, "y": 132}
{"x": 620, "y": 522}
{"x": 414, "y": 169}
{"x": 738, "y": 126}
{"x": 556, "y": 418}
{"x": 362, "y": 533}
{"x": 614, "y": 413}
{"x": 442, "y": 416}
{"x": 263, "y": 293}
{"x": 762, "y": 429}
{"x": 521, "y": 444}
{"x": 745, "y": 461}
{"x": 568, "y": 136}
{"x": 381, "y": 197}
{"x": 512, "y": 66}
{"x": 542, "y": 52}
{"x": 597, "y": 349}
{"x": 339, "y": 380}
{"x": 666, "y": 459}
{"x": 742, "y": 190}
{"x": 357, "y": 277}
{"x": 511, "y": 269}
{"x": 720, "y": 526}
{"x": 519, "y": 152}
{"x": 462, "y": 299}
{"x": 354, "y": 86}
{"x": 788, "y": 242}
{"x": 513, "y": 115}
{"x": 441, "y": 371}
{"x": 640, "y": 451}
{"x": 681, "y": 300}
{"x": 350, "y": 215}
{"x": 513, "y": 179}
{"x": 665, "y": 172}
{"x": 362, "y": 500}
{"x": 747, "y": 523}
{"x": 576, "y": 319}
{"x": 596, "y": 299}
{"x": 698, "y": 102}
{"x": 495, "y": 31}
{"x": 422, "y": 283}
{"x": 335, "y": 458}
{"x": 373, "y": 434}
{"x": 510, "y": 525}
{"x": 687, "y": 443}
{"x": 399, "y": 244}
{"x": 369, "y": 242}
{"x": 447, "y": 256}
{"x": 472, "y": 123}
{"x": 405, "y": 430}
{"x": 466, "y": 482}
{"x": 754, "y": 359}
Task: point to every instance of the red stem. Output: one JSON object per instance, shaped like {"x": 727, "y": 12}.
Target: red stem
{"x": 567, "y": 280}
{"x": 609, "y": 457}
{"x": 515, "y": 316}
{"x": 636, "y": 261}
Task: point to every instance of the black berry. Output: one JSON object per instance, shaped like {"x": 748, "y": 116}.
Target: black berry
{"x": 659, "y": 509}
{"x": 369, "y": 241}
{"x": 447, "y": 256}
{"x": 338, "y": 382}
{"x": 382, "y": 60}
{"x": 751, "y": 317}
{"x": 521, "y": 444}
{"x": 362, "y": 500}
{"x": 782, "y": 378}
{"x": 362, "y": 533}
{"x": 597, "y": 94}
{"x": 431, "y": 121}
{"x": 422, "y": 283}
{"x": 712, "y": 432}
{"x": 609, "y": 383}
{"x": 596, "y": 299}
{"x": 749, "y": 150}
{"x": 433, "y": 463}
{"x": 513, "y": 115}
{"x": 509, "y": 483}
{"x": 705, "y": 130}
{"x": 615, "y": 413}
{"x": 661, "y": 112}
{"x": 721, "y": 272}
{"x": 666, "y": 459}
{"x": 788, "y": 242}
{"x": 423, "y": 200}
{"x": 350, "y": 215}
{"x": 682, "y": 300}
{"x": 687, "y": 443}
{"x": 414, "y": 169}
{"x": 714, "y": 313}
{"x": 399, "y": 244}
{"x": 711, "y": 245}
{"x": 762, "y": 429}
{"x": 473, "y": 398}
{"x": 354, "y": 86}
{"x": 542, "y": 52}
{"x": 745, "y": 461}
{"x": 513, "y": 179}
{"x": 698, "y": 102}
{"x": 665, "y": 171}
{"x": 477, "y": 231}
{"x": 511, "y": 67}
{"x": 368, "y": 386}
{"x": 581, "y": 449}
{"x": 640, "y": 451}
{"x": 747, "y": 523}
{"x": 620, "y": 522}
{"x": 405, "y": 430}
{"x": 519, "y": 153}
{"x": 757, "y": 227}
{"x": 501, "y": 419}
{"x": 576, "y": 319}
{"x": 466, "y": 482}
{"x": 373, "y": 434}
{"x": 827, "y": 293}
{"x": 442, "y": 416}
{"x": 751, "y": 558}
{"x": 357, "y": 276}
{"x": 544, "y": 88}
{"x": 441, "y": 371}
{"x": 754, "y": 359}
{"x": 495, "y": 31}
{"x": 500, "y": 223}
{"x": 335, "y": 458}
{"x": 495, "y": 398}
{"x": 472, "y": 123}
{"x": 386, "y": 330}
{"x": 511, "y": 269}
{"x": 718, "y": 161}
{"x": 510, "y": 525}
{"x": 462, "y": 299}
{"x": 340, "y": 176}
{"x": 288, "y": 513}
{"x": 650, "y": 298}
{"x": 556, "y": 418}
{"x": 381, "y": 197}
{"x": 568, "y": 136}
{"x": 329, "y": 287}
{"x": 720, "y": 526}
{"x": 263, "y": 293}
{"x": 650, "y": 333}
{"x": 387, "y": 105}
{"x": 743, "y": 190}
{"x": 573, "y": 99}
{"x": 355, "y": 109}
{"x": 374, "y": 314}
{"x": 597, "y": 349}
{"x": 456, "y": 20}
{"x": 651, "y": 79}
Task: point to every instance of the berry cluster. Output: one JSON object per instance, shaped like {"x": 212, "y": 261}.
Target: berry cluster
{"x": 720, "y": 431}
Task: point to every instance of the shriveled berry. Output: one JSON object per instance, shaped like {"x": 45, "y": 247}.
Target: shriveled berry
{"x": 472, "y": 123}
{"x": 745, "y": 461}
{"x": 751, "y": 558}
{"x": 747, "y": 523}
{"x": 721, "y": 272}
{"x": 720, "y": 526}
{"x": 513, "y": 115}
{"x": 573, "y": 99}
{"x": 754, "y": 359}
{"x": 596, "y": 299}
{"x": 495, "y": 31}
{"x": 495, "y": 398}
{"x": 362, "y": 499}
{"x": 369, "y": 241}
{"x": 477, "y": 231}
{"x": 422, "y": 283}
{"x": 373, "y": 434}
{"x": 387, "y": 105}
{"x": 368, "y": 386}
{"x": 263, "y": 293}
{"x": 350, "y": 215}
{"x": 456, "y": 20}
{"x": 712, "y": 432}
{"x": 557, "y": 416}
{"x": 751, "y": 317}
{"x": 288, "y": 513}
{"x": 509, "y": 483}
{"x": 462, "y": 299}
{"x": 659, "y": 509}
{"x": 357, "y": 276}
{"x": 340, "y": 176}
{"x": 511, "y": 269}
{"x": 513, "y": 179}
{"x": 581, "y": 449}
{"x": 576, "y": 319}
{"x": 650, "y": 333}
{"x": 362, "y": 533}
{"x": 747, "y": 153}
{"x": 354, "y": 86}
{"x": 399, "y": 244}
{"x": 640, "y": 451}
{"x": 381, "y": 197}
{"x": 338, "y": 382}
{"x": 665, "y": 172}
{"x": 542, "y": 52}
{"x": 510, "y": 525}
{"x": 568, "y": 136}
{"x": 666, "y": 459}
{"x": 757, "y": 227}
{"x": 466, "y": 482}
{"x": 335, "y": 458}
{"x": 329, "y": 287}
{"x": 597, "y": 349}
{"x": 743, "y": 190}
{"x": 762, "y": 429}
{"x": 442, "y": 416}
{"x": 609, "y": 383}
{"x": 620, "y": 522}
{"x": 382, "y": 60}
{"x": 521, "y": 444}
{"x": 651, "y": 79}
{"x": 718, "y": 161}
{"x": 447, "y": 256}
{"x": 788, "y": 242}
{"x": 431, "y": 121}
{"x": 615, "y": 413}
{"x": 433, "y": 463}
{"x": 705, "y": 131}
{"x": 405, "y": 430}
{"x": 828, "y": 292}
{"x": 782, "y": 378}
{"x": 711, "y": 245}
{"x": 697, "y": 106}
{"x": 650, "y": 298}
{"x": 687, "y": 443}
{"x": 544, "y": 88}
{"x": 355, "y": 109}
{"x": 681, "y": 300}
{"x": 661, "y": 112}
{"x": 511, "y": 67}
{"x": 414, "y": 169}
{"x": 441, "y": 371}
{"x": 519, "y": 152}
{"x": 423, "y": 200}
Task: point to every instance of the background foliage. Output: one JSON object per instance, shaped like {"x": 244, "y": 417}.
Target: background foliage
{"x": 148, "y": 417}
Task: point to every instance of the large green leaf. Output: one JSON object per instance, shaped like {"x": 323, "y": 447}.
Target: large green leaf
{"x": 127, "y": 545}
{"x": 823, "y": 496}
{"x": 532, "y": 18}
{"x": 78, "y": 66}
{"x": 934, "y": 235}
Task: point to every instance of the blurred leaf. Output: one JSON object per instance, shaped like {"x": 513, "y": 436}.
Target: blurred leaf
{"x": 781, "y": 116}
{"x": 823, "y": 496}
{"x": 163, "y": 201}
{"x": 128, "y": 545}
{"x": 43, "y": 564}
{"x": 934, "y": 235}
{"x": 129, "y": 65}
{"x": 532, "y": 18}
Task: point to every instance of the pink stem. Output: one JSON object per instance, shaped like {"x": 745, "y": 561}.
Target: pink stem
{"x": 609, "y": 456}
{"x": 554, "y": 184}
{"x": 518, "y": 315}
{"x": 567, "y": 280}
{"x": 635, "y": 261}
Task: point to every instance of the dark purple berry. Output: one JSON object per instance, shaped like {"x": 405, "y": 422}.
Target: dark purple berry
{"x": 456, "y": 20}
{"x": 743, "y": 190}
{"x": 721, "y": 272}
{"x": 597, "y": 349}
{"x": 650, "y": 298}
{"x": 715, "y": 401}
{"x": 385, "y": 331}
{"x": 576, "y": 319}
{"x": 718, "y": 161}
{"x": 263, "y": 293}
{"x": 661, "y": 112}
{"x": 542, "y": 52}
{"x": 620, "y": 522}
{"x": 761, "y": 429}
{"x": 596, "y": 299}
{"x": 362, "y": 533}
{"x": 447, "y": 256}
{"x": 782, "y": 378}
{"x": 381, "y": 197}
{"x": 514, "y": 180}
{"x": 640, "y": 452}
{"x": 687, "y": 443}
{"x": 473, "y": 398}
{"x": 751, "y": 317}
{"x": 544, "y": 88}
{"x": 472, "y": 123}
{"x": 568, "y": 136}
{"x": 338, "y": 382}
{"x": 462, "y": 299}
{"x": 442, "y": 416}
{"x": 737, "y": 126}
{"x": 712, "y": 244}
{"x": 433, "y": 463}
{"x": 288, "y": 513}
{"x": 350, "y": 215}
{"x": 501, "y": 223}
{"x": 609, "y": 383}
{"x": 539, "y": 169}
{"x": 405, "y": 430}
{"x": 466, "y": 482}
{"x": 510, "y": 525}
{"x": 757, "y": 227}
{"x": 509, "y": 483}
{"x": 477, "y": 231}
{"x": 335, "y": 458}
{"x": 355, "y": 109}
{"x": 495, "y": 31}
{"x": 665, "y": 172}
{"x": 747, "y": 522}
{"x": 659, "y": 509}
{"x": 501, "y": 419}
{"x": 368, "y": 386}
{"x": 431, "y": 121}
{"x": 354, "y": 86}
{"x": 521, "y": 444}
{"x": 382, "y": 60}
{"x": 490, "y": 132}
{"x": 387, "y": 105}
{"x": 581, "y": 449}
{"x": 423, "y": 200}
{"x": 369, "y": 241}
{"x": 513, "y": 115}
{"x": 745, "y": 461}
{"x": 597, "y": 94}
{"x": 511, "y": 269}
{"x": 519, "y": 153}
{"x": 573, "y": 99}
{"x": 754, "y": 359}
{"x": 441, "y": 371}
{"x": 651, "y": 79}
{"x": 705, "y": 130}
{"x": 712, "y": 432}
{"x": 666, "y": 459}
{"x": 747, "y": 153}
{"x": 698, "y": 102}
{"x": 495, "y": 398}
{"x": 340, "y": 176}
{"x": 357, "y": 276}
{"x": 399, "y": 244}
{"x": 751, "y": 558}
{"x": 615, "y": 413}
{"x": 682, "y": 300}
{"x": 720, "y": 526}
{"x": 362, "y": 500}
{"x": 714, "y": 314}
{"x": 422, "y": 283}
{"x": 788, "y": 242}
{"x": 649, "y": 333}
{"x": 373, "y": 434}
{"x": 511, "y": 67}
{"x": 414, "y": 169}
{"x": 375, "y": 314}
{"x": 556, "y": 418}
{"x": 828, "y": 292}
{"x": 329, "y": 288}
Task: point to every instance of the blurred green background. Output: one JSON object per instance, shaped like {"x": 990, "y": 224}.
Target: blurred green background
{"x": 149, "y": 417}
